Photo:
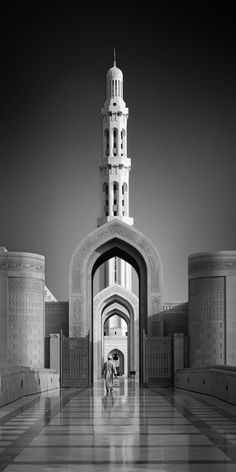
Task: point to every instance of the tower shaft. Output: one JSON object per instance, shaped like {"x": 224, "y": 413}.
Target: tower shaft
{"x": 114, "y": 167}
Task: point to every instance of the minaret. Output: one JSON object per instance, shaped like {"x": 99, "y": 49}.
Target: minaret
{"x": 114, "y": 167}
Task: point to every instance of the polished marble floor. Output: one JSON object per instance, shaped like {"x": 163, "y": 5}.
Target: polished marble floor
{"x": 134, "y": 429}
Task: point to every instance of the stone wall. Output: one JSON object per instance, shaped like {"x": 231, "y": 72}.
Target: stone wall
{"x": 158, "y": 361}
{"x": 175, "y": 319}
{"x": 218, "y": 382}
{"x": 17, "y": 382}
{"x": 22, "y": 309}
{"x": 207, "y": 321}
{"x": 212, "y": 308}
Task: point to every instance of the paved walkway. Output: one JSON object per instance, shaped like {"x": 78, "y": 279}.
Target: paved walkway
{"x": 135, "y": 429}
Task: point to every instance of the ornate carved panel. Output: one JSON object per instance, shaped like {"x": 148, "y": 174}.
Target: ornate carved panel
{"x": 212, "y": 262}
{"x": 75, "y": 361}
{"x": 25, "y": 321}
{"x": 207, "y": 321}
{"x": 22, "y": 262}
{"x": 158, "y": 358}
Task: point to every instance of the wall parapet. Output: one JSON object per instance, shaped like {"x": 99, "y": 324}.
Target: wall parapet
{"x": 17, "y": 382}
{"x": 216, "y": 381}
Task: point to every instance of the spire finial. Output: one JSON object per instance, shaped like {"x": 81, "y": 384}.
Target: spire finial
{"x": 114, "y": 60}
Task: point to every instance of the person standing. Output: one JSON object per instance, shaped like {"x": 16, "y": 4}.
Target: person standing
{"x": 109, "y": 371}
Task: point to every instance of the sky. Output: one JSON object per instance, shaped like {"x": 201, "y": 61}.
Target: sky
{"x": 179, "y": 69}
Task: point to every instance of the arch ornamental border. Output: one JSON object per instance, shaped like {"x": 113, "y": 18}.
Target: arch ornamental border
{"x": 114, "y": 238}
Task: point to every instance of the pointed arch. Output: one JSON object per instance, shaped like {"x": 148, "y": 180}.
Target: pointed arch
{"x": 114, "y": 238}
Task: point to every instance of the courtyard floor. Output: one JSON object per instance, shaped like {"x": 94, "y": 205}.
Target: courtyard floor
{"x": 134, "y": 429}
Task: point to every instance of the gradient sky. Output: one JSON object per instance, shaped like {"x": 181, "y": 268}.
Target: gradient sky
{"x": 179, "y": 84}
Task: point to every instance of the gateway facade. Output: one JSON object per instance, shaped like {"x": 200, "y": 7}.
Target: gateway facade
{"x": 147, "y": 338}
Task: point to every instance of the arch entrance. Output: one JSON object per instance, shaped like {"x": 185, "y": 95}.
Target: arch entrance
{"x": 116, "y": 341}
{"x": 113, "y": 239}
{"x": 119, "y": 361}
{"x": 116, "y": 300}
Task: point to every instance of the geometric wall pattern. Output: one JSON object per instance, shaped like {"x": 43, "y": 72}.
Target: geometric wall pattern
{"x": 25, "y": 323}
{"x": 207, "y": 321}
{"x": 158, "y": 360}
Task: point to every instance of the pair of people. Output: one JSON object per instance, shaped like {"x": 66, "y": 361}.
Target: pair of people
{"x": 109, "y": 371}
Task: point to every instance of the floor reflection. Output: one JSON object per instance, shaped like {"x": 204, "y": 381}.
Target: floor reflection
{"x": 132, "y": 429}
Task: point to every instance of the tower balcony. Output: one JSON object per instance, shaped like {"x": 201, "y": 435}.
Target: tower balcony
{"x": 115, "y": 161}
{"x": 115, "y": 106}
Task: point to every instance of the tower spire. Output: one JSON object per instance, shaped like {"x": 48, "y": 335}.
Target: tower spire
{"x": 114, "y": 58}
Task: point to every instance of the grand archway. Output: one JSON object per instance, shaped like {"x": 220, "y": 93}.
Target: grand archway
{"x": 113, "y": 239}
{"x": 116, "y": 299}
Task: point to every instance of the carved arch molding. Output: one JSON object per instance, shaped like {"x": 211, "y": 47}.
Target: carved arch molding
{"x": 113, "y": 238}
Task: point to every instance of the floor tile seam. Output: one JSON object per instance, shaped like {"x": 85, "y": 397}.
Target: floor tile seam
{"x": 213, "y": 418}
{"x": 218, "y": 421}
{"x": 215, "y": 423}
{"x": 136, "y": 419}
{"x": 134, "y": 414}
{"x": 23, "y": 434}
{"x": 201, "y": 425}
{"x": 23, "y": 420}
{"x": 122, "y": 434}
{"x": 120, "y": 446}
{"x": 101, "y": 462}
{"x": 8, "y": 423}
{"x": 219, "y": 409}
{"x": 126, "y": 428}
{"x": 120, "y": 409}
{"x": 129, "y": 410}
{"x": 214, "y": 411}
{"x": 16, "y": 426}
{"x": 8, "y": 415}
{"x": 8, "y": 428}
{"x": 115, "y": 425}
{"x": 210, "y": 399}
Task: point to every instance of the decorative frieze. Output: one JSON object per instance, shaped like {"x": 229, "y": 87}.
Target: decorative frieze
{"x": 212, "y": 262}
{"x": 22, "y": 262}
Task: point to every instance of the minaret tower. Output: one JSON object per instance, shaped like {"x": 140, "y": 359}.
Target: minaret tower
{"x": 114, "y": 167}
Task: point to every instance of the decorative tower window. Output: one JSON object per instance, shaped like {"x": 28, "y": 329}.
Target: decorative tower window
{"x": 122, "y": 137}
{"x": 115, "y": 198}
{"x": 125, "y": 198}
{"x": 106, "y": 133}
{"x": 105, "y": 190}
{"x": 115, "y": 133}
